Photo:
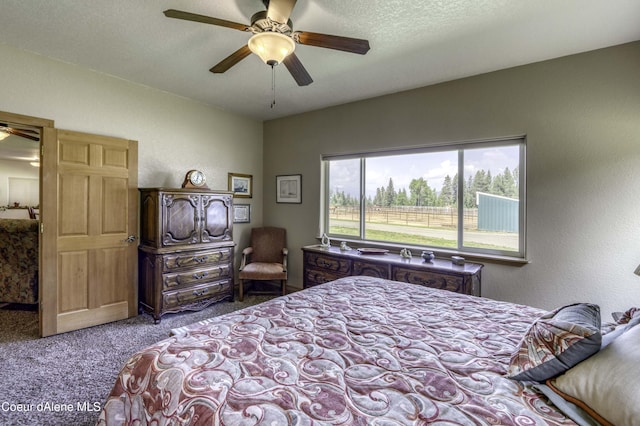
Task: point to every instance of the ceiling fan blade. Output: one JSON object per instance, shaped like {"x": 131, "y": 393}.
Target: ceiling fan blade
{"x": 12, "y": 126}
{"x": 15, "y": 132}
{"x": 187, "y": 16}
{"x": 297, "y": 70}
{"x": 231, "y": 60}
{"x": 280, "y": 10}
{"x": 346, "y": 44}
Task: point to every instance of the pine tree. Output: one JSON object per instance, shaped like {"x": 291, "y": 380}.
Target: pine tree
{"x": 389, "y": 195}
{"x": 446, "y": 195}
{"x": 469, "y": 193}
{"x": 402, "y": 199}
{"x": 482, "y": 182}
{"x": 510, "y": 187}
{"x": 379, "y": 198}
{"x": 454, "y": 184}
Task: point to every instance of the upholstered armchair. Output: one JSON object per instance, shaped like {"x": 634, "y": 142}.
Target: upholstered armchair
{"x": 266, "y": 258}
{"x": 19, "y": 261}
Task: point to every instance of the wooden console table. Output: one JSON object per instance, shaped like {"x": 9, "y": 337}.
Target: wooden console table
{"x": 327, "y": 264}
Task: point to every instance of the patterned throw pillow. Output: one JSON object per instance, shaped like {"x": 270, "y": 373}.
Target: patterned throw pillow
{"x": 556, "y": 342}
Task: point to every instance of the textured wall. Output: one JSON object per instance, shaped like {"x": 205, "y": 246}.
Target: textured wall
{"x": 174, "y": 134}
{"x": 581, "y": 117}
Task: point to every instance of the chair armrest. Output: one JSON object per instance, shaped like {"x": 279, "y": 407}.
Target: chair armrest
{"x": 285, "y": 254}
{"x": 245, "y": 257}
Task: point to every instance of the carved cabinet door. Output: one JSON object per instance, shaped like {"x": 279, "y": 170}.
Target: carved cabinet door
{"x": 181, "y": 219}
{"x": 217, "y": 218}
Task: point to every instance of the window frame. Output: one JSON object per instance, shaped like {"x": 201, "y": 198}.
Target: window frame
{"x": 460, "y": 147}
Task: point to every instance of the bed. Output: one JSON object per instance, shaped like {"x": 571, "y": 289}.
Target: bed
{"x": 355, "y": 351}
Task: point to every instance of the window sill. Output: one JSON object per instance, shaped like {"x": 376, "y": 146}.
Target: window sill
{"x": 439, "y": 252}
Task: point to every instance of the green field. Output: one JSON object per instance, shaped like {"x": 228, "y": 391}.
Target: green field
{"x": 410, "y": 239}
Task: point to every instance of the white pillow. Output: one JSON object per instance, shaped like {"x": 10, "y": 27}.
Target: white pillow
{"x": 607, "y": 385}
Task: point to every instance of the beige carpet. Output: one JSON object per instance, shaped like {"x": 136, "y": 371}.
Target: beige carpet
{"x": 65, "y": 379}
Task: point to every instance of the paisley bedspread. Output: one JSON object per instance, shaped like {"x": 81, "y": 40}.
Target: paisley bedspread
{"x": 355, "y": 351}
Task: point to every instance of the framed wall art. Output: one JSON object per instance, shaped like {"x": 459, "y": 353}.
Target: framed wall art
{"x": 289, "y": 189}
{"x": 241, "y": 185}
{"x": 241, "y": 213}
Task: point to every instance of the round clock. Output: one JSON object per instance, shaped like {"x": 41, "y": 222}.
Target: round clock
{"x": 194, "y": 179}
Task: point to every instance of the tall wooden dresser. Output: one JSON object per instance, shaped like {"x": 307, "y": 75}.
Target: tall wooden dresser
{"x": 186, "y": 249}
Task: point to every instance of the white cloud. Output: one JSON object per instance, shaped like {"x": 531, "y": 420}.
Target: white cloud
{"x": 432, "y": 166}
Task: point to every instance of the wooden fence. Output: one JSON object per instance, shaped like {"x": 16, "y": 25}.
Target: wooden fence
{"x": 433, "y": 217}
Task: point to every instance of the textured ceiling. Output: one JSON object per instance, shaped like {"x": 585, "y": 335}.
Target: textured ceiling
{"x": 413, "y": 43}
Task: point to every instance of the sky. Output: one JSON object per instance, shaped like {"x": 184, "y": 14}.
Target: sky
{"x": 432, "y": 166}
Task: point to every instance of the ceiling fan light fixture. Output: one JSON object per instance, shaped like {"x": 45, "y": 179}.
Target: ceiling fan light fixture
{"x": 271, "y": 47}
{"x": 3, "y": 135}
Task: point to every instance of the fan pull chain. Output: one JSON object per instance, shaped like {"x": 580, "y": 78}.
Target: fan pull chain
{"x": 273, "y": 85}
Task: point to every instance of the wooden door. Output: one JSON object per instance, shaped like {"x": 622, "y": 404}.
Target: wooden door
{"x": 89, "y": 251}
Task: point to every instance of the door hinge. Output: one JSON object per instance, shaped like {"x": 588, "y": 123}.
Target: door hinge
{"x": 41, "y": 150}
{"x": 41, "y": 228}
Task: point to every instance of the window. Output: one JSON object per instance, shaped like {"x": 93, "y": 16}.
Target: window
{"x": 24, "y": 191}
{"x": 464, "y": 197}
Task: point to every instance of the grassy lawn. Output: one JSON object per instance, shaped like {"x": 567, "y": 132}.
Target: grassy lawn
{"x": 399, "y": 237}
{"x": 411, "y": 239}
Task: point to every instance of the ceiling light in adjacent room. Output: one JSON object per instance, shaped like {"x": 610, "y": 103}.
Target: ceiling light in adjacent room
{"x": 3, "y": 135}
{"x": 35, "y": 163}
{"x": 271, "y": 47}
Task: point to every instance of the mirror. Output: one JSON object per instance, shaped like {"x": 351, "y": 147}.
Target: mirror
{"x": 19, "y": 171}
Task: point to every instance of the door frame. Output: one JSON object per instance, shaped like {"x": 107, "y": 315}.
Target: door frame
{"x": 43, "y": 124}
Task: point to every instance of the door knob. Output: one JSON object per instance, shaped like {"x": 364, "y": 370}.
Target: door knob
{"x": 130, "y": 239}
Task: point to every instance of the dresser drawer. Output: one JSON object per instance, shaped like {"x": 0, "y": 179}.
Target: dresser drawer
{"x": 318, "y": 276}
{"x": 328, "y": 263}
{"x": 171, "y": 262}
{"x": 437, "y": 280}
{"x": 195, "y": 276}
{"x": 378, "y": 270}
{"x": 179, "y": 298}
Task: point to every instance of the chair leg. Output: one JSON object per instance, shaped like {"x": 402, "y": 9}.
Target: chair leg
{"x": 241, "y": 290}
{"x": 284, "y": 287}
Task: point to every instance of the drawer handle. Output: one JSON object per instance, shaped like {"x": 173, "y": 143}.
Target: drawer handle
{"x": 198, "y": 293}
{"x": 200, "y": 275}
{"x": 199, "y": 259}
{"x": 323, "y": 263}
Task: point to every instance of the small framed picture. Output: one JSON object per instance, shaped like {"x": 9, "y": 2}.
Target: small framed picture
{"x": 241, "y": 213}
{"x": 289, "y": 189}
{"x": 241, "y": 185}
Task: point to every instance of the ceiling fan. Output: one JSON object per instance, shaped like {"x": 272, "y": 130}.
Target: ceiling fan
{"x": 6, "y": 130}
{"x": 274, "y": 39}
